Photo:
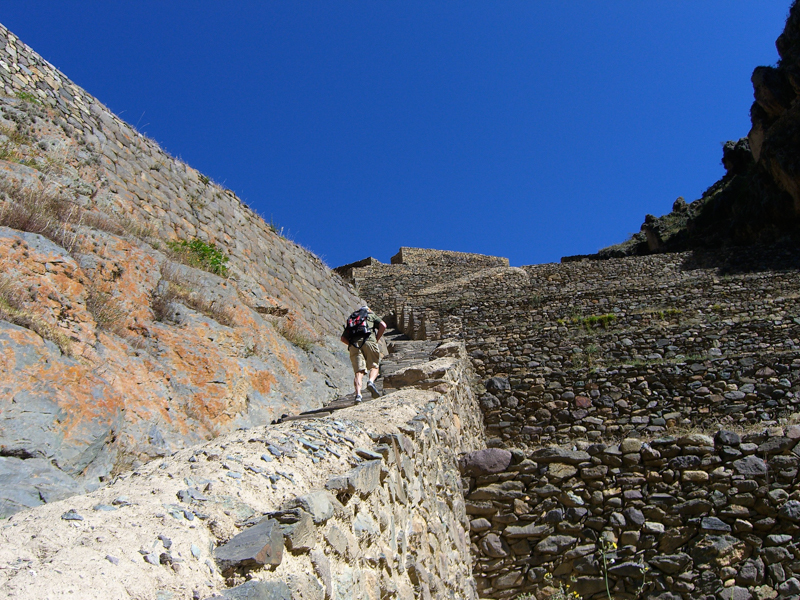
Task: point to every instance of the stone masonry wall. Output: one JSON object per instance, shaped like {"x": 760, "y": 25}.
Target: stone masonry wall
{"x": 387, "y": 285}
{"x": 595, "y": 348}
{"x": 595, "y": 374}
{"x": 686, "y": 516}
{"x": 425, "y": 256}
{"x": 363, "y": 504}
{"x": 142, "y": 183}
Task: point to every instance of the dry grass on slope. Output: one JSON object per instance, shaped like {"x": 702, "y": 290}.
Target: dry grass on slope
{"x": 12, "y": 310}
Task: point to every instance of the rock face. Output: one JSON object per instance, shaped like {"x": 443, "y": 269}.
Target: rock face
{"x": 142, "y": 307}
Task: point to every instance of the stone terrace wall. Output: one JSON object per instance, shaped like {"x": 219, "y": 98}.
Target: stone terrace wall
{"x": 385, "y": 285}
{"x": 412, "y": 270}
{"x": 145, "y": 185}
{"x": 676, "y": 517}
{"x": 365, "y": 504}
{"x": 425, "y": 256}
{"x": 606, "y": 348}
{"x": 614, "y": 362}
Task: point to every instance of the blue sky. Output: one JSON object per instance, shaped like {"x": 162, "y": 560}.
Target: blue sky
{"x": 530, "y": 130}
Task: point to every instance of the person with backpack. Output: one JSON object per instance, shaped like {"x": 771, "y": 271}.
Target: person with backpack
{"x": 362, "y": 333}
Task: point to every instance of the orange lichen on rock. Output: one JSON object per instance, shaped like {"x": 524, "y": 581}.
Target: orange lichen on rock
{"x": 262, "y": 381}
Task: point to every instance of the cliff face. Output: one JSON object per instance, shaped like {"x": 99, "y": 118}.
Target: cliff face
{"x": 142, "y": 307}
{"x": 758, "y": 199}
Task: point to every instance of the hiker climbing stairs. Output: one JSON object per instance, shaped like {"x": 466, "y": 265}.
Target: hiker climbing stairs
{"x": 403, "y": 352}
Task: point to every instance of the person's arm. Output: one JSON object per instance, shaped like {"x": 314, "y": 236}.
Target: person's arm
{"x": 345, "y": 340}
{"x": 381, "y": 329}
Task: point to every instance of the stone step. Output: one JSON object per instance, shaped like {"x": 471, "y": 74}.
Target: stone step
{"x": 402, "y": 353}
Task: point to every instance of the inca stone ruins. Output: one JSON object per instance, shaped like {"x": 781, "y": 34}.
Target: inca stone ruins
{"x": 177, "y": 422}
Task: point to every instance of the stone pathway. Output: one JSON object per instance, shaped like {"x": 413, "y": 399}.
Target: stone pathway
{"x": 402, "y": 353}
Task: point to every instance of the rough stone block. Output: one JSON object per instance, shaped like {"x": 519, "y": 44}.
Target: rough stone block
{"x": 484, "y": 462}
{"x": 365, "y": 478}
{"x": 562, "y": 455}
{"x": 300, "y": 535}
{"x": 320, "y": 504}
{"x": 256, "y": 590}
{"x": 261, "y": 544}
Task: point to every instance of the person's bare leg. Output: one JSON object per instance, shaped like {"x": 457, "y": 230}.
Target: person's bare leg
{"x": 357, "y": 382}
{"x": 373, "y": 374}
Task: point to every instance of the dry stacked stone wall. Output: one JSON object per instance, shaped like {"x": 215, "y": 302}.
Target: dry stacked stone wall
{"x": 595, "y": 373}
{"x": 412, "y": 270}
{"x": 172, "y": 201}
{"x": 678, "y": 516}
{"x": 425, "y": 256}
{"x": 609, "y": 347}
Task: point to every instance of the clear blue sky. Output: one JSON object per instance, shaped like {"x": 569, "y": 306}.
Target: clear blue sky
{"x": 525, "y": 129}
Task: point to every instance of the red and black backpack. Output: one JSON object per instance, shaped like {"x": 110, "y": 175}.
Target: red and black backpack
{"x": 357, "y": 328}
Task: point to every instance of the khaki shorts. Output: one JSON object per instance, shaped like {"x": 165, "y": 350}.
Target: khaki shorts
{"x": 365, "y": 358}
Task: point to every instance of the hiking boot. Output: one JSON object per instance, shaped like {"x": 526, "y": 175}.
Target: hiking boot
{"x": 373, "y": 390}
{"x": 358, "y": 399}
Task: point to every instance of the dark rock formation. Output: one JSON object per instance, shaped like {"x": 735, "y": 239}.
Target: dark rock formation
{"x": 758, "y": 199}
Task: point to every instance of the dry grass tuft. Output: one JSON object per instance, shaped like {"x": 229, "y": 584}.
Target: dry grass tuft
{"x": 108, "y": 313}
{"x": 12, "y": 309}
{"x": 51, "y": 215}
{"x": 174, "y": 287}
{"x": 296, "y": 334}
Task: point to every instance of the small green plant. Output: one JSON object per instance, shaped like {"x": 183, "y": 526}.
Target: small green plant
{"x": 602, "y": 320}
{"x": 28, "y": 97}
{"x": 562, "y": 592}
{"x": 275, "y": 228}
{"x": 590, "y": 322}
{"x": 204, "y": 180}
{"x": 606, "y": 549}
{"x": 532, "y": 301}
{"x": 197, "y": 253}
{"x": 717, "y": 308}
{"x": 592, "y": 350}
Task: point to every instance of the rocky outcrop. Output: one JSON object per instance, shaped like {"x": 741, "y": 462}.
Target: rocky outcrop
{"x": 758, "y": 199}
{"x": 143, "y": 308}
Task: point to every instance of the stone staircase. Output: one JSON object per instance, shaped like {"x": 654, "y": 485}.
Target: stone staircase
{"x": 403, "y": 352}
